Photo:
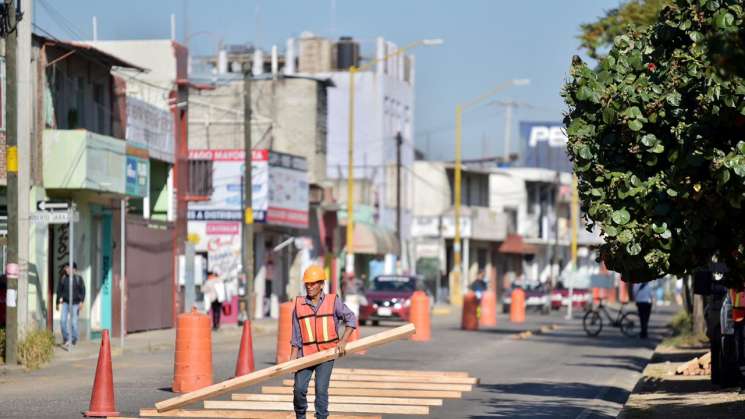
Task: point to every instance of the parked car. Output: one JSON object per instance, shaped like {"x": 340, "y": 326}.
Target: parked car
{"x": 581, "y": 298}
{"x": 536, "y": 298}
{"x": 388, "y": 298}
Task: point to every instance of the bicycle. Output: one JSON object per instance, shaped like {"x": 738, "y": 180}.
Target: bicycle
{"x": 592, "y": 322}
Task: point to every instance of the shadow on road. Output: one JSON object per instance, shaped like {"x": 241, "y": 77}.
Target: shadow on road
{"x": 629, "y": 362}
{"x": 550, "y": 399}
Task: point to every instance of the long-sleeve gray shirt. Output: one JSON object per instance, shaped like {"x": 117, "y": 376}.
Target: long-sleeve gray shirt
{"x": 342, "y": 313}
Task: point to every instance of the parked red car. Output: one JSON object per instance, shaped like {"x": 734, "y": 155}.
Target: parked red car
{"x": 581, "y": 298}
{"x": 388, "y": 299}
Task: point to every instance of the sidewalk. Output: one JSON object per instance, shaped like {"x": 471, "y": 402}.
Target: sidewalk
{"x": 143, "y": 342}
{"x": 662, "y": 394}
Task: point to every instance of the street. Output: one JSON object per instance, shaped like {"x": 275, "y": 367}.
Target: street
{"x": 559, "y": 373}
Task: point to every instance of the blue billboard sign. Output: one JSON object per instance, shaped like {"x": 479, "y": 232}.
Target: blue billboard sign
{"x": 544, "y": 145}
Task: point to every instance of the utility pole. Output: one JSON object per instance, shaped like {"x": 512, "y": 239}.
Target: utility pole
{"x": 399, "y": 143}
{"x": 555, "y": 252}
{"x": 248, "y": 217}
{"x": 12, "y": 267}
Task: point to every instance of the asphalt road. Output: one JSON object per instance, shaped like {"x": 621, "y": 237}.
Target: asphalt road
{"x": 562, "y": 373}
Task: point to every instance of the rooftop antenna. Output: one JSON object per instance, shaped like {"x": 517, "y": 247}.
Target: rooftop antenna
{"x": 333, "y": 19}
{"x": 173, "y": 26}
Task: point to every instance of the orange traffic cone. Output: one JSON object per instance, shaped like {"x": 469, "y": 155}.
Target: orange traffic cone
{"x": 356, "y": 334}
{"x": 284, "y": 332}
{"x": 469, "y": 319}
{"x": 102, "y": 398}
{"x": 245, "y": 363}
{"x": 488, "y": 309}
{"x": 419, "y": 315}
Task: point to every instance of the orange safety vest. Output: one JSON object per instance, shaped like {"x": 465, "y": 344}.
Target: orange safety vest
{"x": 318, "y": 329}
{"x": 738, "y": 304}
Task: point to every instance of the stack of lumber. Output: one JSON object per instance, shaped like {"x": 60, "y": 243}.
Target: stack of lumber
{"x": 353, "y": 393}
{"x": 696, "y": 366}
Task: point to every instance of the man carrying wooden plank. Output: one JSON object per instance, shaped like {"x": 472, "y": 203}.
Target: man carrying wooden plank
{"x": 315, "y": 327}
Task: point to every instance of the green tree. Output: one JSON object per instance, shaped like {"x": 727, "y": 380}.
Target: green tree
{"x": 657, "y": 136}
{"x": 638, "y": 14}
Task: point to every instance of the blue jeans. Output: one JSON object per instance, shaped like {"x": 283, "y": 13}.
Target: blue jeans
{"x": 63, "y": 322}
{"x": 302, "y": 379}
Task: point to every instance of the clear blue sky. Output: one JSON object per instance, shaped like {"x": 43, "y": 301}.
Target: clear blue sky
{"x": 486, "y": 43}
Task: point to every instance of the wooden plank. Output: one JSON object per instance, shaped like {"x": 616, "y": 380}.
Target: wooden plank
{"x": 237, "y": 414}
{"x": 339, "y": 399}
{"x": 371, "y": 384}
{"x": 404, "y": 379}
{"x": 232, "y": 384}
{"x": 369, "y": 371}
{"x": 333, "y": 407}
{"x": 373, "y": 392}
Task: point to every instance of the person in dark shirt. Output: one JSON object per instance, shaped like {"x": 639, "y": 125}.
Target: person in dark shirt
{"x": 70, "y": 310}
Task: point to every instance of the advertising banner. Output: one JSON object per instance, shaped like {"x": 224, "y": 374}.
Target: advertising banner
{"x": 279, "y": 188}
{"x": 288, "y": 191}
{"x": 150, "y": 127}
{"x": 137, "y": 171}
{"x": 544, "y": 145}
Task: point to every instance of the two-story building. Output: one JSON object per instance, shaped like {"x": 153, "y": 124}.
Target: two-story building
{"x": 78, "y": 156}
{"x": 482, "y": 229}
{"x": 288, "y": 136}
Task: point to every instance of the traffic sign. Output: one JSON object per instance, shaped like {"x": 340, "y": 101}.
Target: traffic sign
{"x": 53, "y": 217}
{"x": 52, "y": 205}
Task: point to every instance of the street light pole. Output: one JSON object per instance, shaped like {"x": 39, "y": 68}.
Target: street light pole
{"x": 353, "y": 70}
{"x": 459, "y": 273}
{"x": 350, "y": 176}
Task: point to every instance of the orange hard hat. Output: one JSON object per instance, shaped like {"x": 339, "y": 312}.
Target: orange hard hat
{"x": 314, "y": 273}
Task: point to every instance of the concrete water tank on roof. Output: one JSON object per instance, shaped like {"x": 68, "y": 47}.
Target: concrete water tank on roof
{"x": 315, "y": 55}
{"x": 347, "y": 53}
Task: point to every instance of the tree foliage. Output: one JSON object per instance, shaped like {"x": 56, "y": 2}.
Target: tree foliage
{"x": 599, "y": 35}
{"x": 657, "y": 137}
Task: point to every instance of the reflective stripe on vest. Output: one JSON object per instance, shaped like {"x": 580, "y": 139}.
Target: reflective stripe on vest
{"x": 317, "y": 335}
{"x": 738, "y": 305}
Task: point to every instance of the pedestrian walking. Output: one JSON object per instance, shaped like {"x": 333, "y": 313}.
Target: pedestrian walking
{"x": 70, "y": 312}
{"x": 315, "y": 327}
{"x": 213, "y": 296}
{"x": 643, "y": 298}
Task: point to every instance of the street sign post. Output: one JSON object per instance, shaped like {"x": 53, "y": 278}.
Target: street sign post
{"x": 52, "y": 205}
{"x": 56, "y": 217}
{"x": 60, "y": 212}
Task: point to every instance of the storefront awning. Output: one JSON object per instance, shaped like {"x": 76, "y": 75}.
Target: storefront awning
{"x": 514, "y": 244}
{"x": 374, "y": 240}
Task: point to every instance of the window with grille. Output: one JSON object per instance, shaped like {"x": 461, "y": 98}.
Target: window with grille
{"x": 200, "y": 178}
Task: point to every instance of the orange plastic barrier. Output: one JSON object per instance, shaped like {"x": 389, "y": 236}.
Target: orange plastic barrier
{"x": 623, "y": 291}
{"x": 284, "y": 332}
{"x": 611, "y": 295}
{"x": 488, "y": 316}
{"x": 245, "y": 363}
{"x": 517, "y": 306}
{"x": 192, "y": 368}
{"x": 419, "y": 315}
{"x": 470, "y": 320}
{"x": 103, "y": 402}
